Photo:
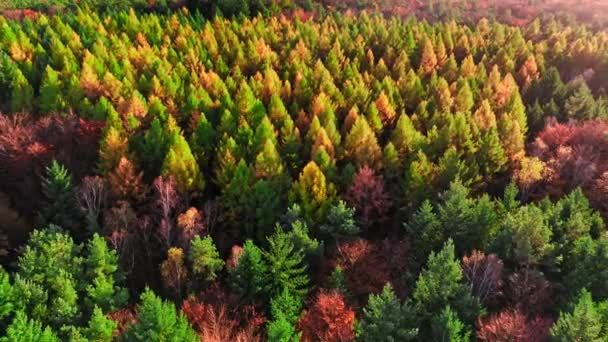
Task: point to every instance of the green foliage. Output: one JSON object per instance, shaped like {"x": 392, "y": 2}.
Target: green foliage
{"x": 205, "y": 259}
{"x": 441, "y": 284}
{"x": 23, "y": 329}
{"x": 101, "y": 270}
{"x": 59, "y": 206}
{"x": 100, "y": 328}
{"x": 250, "y": 276}
{"x": 286, "y": 267}
{"x": 587, "y": 322}
{"x": 337, "y": 281}
{"x": 180, "y": 163}
{"x": 385, "y": 319}
{"x": 6, "y": 295}
{"x": 340, "y": 221}
{"x": 158, "y": 320}
{"x": 448, "y": 328}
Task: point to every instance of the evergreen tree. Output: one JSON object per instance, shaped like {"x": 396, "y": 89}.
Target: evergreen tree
{"x": 59, "y": 205}
{"x": 448, "y": 328}
{"x": 23, "y": 329}
{"x": 312, "y": 193}
{"x": 51, "y": 98}
{"x": 101, "y": 270}
{"x": 181, "y": 165}
{"x": 205, "y": 259}
{"x": 158, "y": 320}
{"x": 286, "y": 268}
{"x": 385, "y": 319}
{"x": 251, "y": 275}
{"x": 100, "y": 328}
{"x": 340, "y": 221}
{"x": 6, "y": 295}
{"x": 587, "y": 322}
{"x": 441, "y": 284}
{"x": 152, "y": 149}
{"x": 361, "y": 145}
{"x": 337, "y": 281}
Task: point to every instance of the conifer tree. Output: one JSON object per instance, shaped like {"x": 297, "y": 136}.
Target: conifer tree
{"x": 286, "y": 268}
{"x": 313, "y": 193}
{"x": 100, "y": 328}
{"x": 51, "y": 99}
{"x": 340, "y": 221}
{"x": 23, "y": 329}
{"x": 428, "y": 59}
{"x": 587, "y": 322}
{"x": 7, "y": 293}
{"x": 448, "y": 328}
{"x": 158, "y": 320}
{"x": 361, "y": 146}
{"x": 180, "y": 164}
{"x": 205, "y": 259}
{"x": 59, "y": 199}
{"x": 250, "y": 276}
{"x": 385, "y": 319}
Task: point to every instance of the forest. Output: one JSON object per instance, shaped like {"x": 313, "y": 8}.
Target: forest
{"x": 293, "y": 171}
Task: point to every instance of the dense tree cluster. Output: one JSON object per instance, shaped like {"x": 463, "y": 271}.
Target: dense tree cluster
{"x": 335, "y": 179}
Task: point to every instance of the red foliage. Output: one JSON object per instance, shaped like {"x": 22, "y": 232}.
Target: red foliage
{"x": 366, "y": 194}
{"x": 219, "y": 316}
{"x": 576, "y": 154}
{"x": 483, "y": 273}
{"x": 235, "y": 253}
{"x": 328, "y": 319}
{"x": 123, "y": 318}
{"x": 510, "y": 325}
{"x": 529, "y": 291}
{"x": 27, "y": 145}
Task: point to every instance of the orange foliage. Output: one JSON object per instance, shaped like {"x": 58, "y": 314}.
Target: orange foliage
{"x": 328, "y": 319}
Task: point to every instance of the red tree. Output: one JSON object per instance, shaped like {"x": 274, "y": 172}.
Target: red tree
{"x": 366, "y": 194}
{"x": 510, "y": 325}
{"x": 483, "y": 273}
{"x": 328, "y": 319}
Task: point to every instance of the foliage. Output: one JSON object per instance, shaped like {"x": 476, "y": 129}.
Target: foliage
{"x": 328, "y": 319}
{"x": 386, "y": 319}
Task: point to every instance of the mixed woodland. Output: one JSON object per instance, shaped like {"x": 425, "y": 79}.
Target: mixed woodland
{"x": 278, "y": 171}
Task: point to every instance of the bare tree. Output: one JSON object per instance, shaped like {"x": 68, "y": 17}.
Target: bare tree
{"x": 92, "y": 197}
{"x": 483, "y": 273}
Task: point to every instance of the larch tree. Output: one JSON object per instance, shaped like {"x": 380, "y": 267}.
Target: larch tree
{"x": 313, "y": 193}
{"x": 361, "y": 145}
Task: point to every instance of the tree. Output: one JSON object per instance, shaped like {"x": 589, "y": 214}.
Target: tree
{"x": 23, "y": 329}
{"x": 125, "y": 182}
{"x": 441, "y": 284}
{"x": 6, "y": 295}
{"x": 367, "y": 195}
{"x": 448, "y": 328}
{"x": 511, "y": 325}
{"x": 340, "y": 221}
{"x": 180, "y": 164}
{"x": 101, "y": 269}
{"x": 428, "y": 59}
{"x": 59, "y": 199}
{"x": 361, "y": 145}
{"x": 158, "y": 320}
{"x": 312, "y": 193}
{"x": 100, "y": 328}
{"x": 587, "y": 322}
{"x": 173, "y": 271}
{"x": 51, "y": 99}
{"x": 426, "y": 229}
{"x": 328, "y": 319}
{"x": 587, "y": 271}
{"x": 483, "y": 274}
{"x": 92, "y": 197}
{"x": 205, "y": 259}
{"x": 385, "y": 319}
{"x": 286, "y": 268}
{"x": 250, "y": 275}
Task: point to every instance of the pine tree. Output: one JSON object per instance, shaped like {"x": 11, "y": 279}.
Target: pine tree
{"x": 286, "y": 268}
{"x": 7, "y": 293}
{"x": 202, "y": 141}
{"x": 441, "y": 284}
{"x": 448, "y": 328}
{"x": 251, "y": 275}
{"x": 23, "y": 329}
{"x": 405, "y": 137}
{"x": 51, "y": 99}
{"x": 205, "y": 259}
{"x": 59, "y": 199}
{"x": 491, "y": 157}
{"x": 428, "y": 59}
{"x": 385, "y": 319}
{"x": 361, "y": 146}
{"x": 22, "y": 93}
{"x": 100, "y": 328}
{"x": 101, "y": 269}
{"x": 340, "y": 221}
{"x": 180, "y": 164}
{"x": 464, "y": 99}
{"x": 587, "y": 322}
{"x": 337, "y": 281}
{"x": 158, "y": 320}
{"x": 152, "y": 149}
{"x": 426, "y": 229}
{"x": 312, "y": 193}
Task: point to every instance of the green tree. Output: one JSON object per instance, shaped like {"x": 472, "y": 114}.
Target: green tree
{"x": 181, "y": 165}
{"x": 448, "y": 328}
{"x": 23, "y": 329}
{"x": 51, "y": 99}
{"x": 100, "y": 328}
{"x": 158, "y": 320}
{"x": 587, "y": 322}
{"x": 340, "y": 221}
{"x": 313, "y": 193}
{"x": 337, "y": 281}
{"x": 59, "y": 205}
{"x": 441, "y": 284}
{"x": 205, "y": 259}
{"x": 385, "y": 319}
{"x": 102, "y": 275}
{"x": 6, "y": 295}
{"x": 361, "y": 145}
{"x": 286, "y": 267}
{"x": 250, "y": 276}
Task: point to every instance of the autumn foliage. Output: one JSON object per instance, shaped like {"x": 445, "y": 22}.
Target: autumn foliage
{"x": 328, "y": 319}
